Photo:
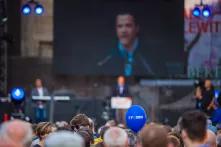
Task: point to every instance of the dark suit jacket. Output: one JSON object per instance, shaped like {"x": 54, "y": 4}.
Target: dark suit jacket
{"x": 114, "y": 64}
{"x": 34, "y": 92}
{"x": 116, "y": 91}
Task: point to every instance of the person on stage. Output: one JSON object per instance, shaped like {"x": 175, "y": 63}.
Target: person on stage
{"x": 120, "y": 90}
{"x": 39, "y": 90}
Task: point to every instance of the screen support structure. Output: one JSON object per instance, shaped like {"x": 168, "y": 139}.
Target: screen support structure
{"x": 3, "y": 49}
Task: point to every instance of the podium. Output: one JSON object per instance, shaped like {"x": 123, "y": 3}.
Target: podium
{"x": 120, "y": 104}
{"x": 48, "y": 98}
{"x": 51, "y": 100}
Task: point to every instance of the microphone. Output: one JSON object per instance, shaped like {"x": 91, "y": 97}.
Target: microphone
{"x": 104, "y": 61}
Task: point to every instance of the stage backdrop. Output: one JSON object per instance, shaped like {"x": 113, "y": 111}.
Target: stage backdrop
{"x": 86, "y": 40}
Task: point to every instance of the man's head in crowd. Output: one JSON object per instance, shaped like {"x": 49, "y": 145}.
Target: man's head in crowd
{"x": 62, "y": 125}
{"x": 16, "y": 132}
{"x": 64, "y": 139}
{"x": 115, "y": 137}
{"x": 153, "y": 135}
{"x": 78, "y": 121}
{"x": 44, "y": 129}
{"x": 193, "y": 128}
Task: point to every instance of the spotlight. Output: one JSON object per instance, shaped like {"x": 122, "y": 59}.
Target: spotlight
{"x": 196, "y": 12}
{"x": 17, "y": 94}
{"x": 216, "y": 93}
{"x": 26, "y": 9}
{"x": 32, "y": 5}
{"x": 206, "y": 11}
{"x": 39, "y": 9}
{"x": 202, "y": 10}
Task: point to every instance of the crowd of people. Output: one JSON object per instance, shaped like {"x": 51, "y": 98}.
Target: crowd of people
{"x": 198, "y": 128}
{"x": 193, "y": 129}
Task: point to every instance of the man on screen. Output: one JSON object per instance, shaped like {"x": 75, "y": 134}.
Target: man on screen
{"x": 127, "y": 58}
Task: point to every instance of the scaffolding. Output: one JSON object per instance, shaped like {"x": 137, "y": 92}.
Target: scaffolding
{"x": 3, "y": 48}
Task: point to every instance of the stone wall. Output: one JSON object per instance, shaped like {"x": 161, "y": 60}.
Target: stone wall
{"x": 37, "y": 32}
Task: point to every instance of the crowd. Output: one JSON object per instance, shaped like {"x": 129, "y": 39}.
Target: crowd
{"x": 198, "y": 128}
{"x": 193, "y": 129}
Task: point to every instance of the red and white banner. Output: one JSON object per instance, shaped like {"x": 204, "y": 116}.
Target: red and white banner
{"x": 203, "y": 37}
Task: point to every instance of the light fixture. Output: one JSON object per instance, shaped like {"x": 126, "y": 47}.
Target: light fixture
{"x": 32, "y": 5}
{"x": 206, "y": 12}
{"x": 201, "y": 10}
{"x": 39, "y": 9}
{"x": 26, "y": 9}
{"x": 17, "y": 94}
{"x": 196, "y": 12}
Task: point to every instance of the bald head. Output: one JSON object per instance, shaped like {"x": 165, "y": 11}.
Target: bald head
{"x": 64, "y": 139}
{"x": 4, "y": 142}
{"x": 16, "y": 131}
{"x": 210, "y": 138}
{"x": 115, "y": 137}
{"x": 153, "y": 136}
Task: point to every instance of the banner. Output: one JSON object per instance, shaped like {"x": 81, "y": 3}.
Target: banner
{"x": 203, "y": 40}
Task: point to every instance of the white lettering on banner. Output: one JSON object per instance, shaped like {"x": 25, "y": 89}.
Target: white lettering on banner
{"x": 136, "y": 117}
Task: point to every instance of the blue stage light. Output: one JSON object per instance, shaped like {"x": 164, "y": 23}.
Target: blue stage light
{"x": 196, "y": 12}
{"x": 26, "y": 9}
{"x": 17, "y": 94}
{"x": 216, "y": 93}
{"x": 39, "y": 9}
{"x": 206, "y": 12}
